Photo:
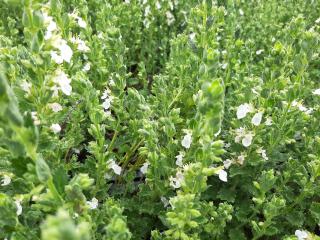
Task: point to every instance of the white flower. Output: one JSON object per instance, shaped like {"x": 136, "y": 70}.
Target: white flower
{"x": 81, "y": 22}
{"x": 227, "y": 163}
{"x": 241, "y": 159}
{"x": 227, "y": 145}
{"x": 55, "y": 128}
{"x": 55, "y": 107}
{"x": 26, "y": 86}
{"x": 223, "y": 175}
{"x": 34, "y": 116}
{"x": 81, "y": 45}
{"x": 243, "y": 109}
{"x": 164, "y": 201}
{"x": 18, "y": 206}
{"x": 224, "y": 66}
{"x": 179, "y": 159}
{"x": 66, "y": 51}
{"x": 241, "y": 12}
{"x": 106, "y": 94}
{"x": 247, "y": 140}
{"x": 144, "y": 168}
{"x": 192, "y": 36}
{"x": 263, "y": 153}
{"x": 300, "y": 106}
{"x": 55, "y": 90}
{"x": 176, "y": 182}
{"x": 86, "y": 67}
{"x": 240, "y": 132}
{"x": 317, "y": 91}
{"x": 301, "y": 234}
{"x": 268, "y": 121}
{"x": 115, "y": 167}
{"x": 63, "y": 81}
{"x": 146, "y": 23}
{"x": 258, "y": 52}
{"x": 111, "y": 82}
{"x": 317, "y": 21}
{"x": 55, "y": 57}
{"x": 256, "y": 120}
{"x": 51, "y": 26}
{"x": 186, "y": 141}
{"x": 6, "y": 180}
{"x": 170, "y": 18}
{"x": 147, "y": 11}
{"x": 158, "y": 5}
{"x": 106, "y": 104}
{"x": 93, "y": 204}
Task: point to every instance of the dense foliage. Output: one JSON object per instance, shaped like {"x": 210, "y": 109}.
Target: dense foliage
{"x": 159, "y": 119}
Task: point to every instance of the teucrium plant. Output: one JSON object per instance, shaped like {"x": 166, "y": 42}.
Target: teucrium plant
{"x": 159, "y": 119}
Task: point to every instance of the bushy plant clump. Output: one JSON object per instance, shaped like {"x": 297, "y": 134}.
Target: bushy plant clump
{"x": 159, "y": 119}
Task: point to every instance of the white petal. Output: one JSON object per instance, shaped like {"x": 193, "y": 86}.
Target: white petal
{"x": 227, "y": 163}
{"x": 55, "y": 57}
{"x": 301, "y": 234}
{"x": 6, "y": 180}
{"x": 247, "y": 140}
{"x": 66, "y": 89}
{"x": 19, "y": 207}
{"x": 268, "y": 121}
{"x": 81, "y": 22}
{"x": 144, "y": 168}
{"x": 223, "y": 175}
{"x": 66, "y": 52}
{"x": 243, "y": 109}
{"x": 106, "y": 104}
{"x": 316, "y": 92}
{"x": 256, "y": 120}
{"x": 186, "y": 141}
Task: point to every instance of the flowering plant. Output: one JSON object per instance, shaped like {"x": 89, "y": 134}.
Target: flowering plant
{"x": 199, "y": 118}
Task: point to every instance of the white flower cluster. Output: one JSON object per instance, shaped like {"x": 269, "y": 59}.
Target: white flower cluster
{"x": 65, "y": 52}
{"x": 176, "y": 181}
{"x": 81, "y": 45}
{"x": 301, "y": 107}
{"x": 107, "y": 100}
{"x": 74, "y": 15}
{"x": 244, "y": 136}
{"x": 93, "y": 204}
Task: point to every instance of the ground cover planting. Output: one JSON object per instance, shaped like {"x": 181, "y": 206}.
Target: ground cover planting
{"x": 159, "y": 119}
